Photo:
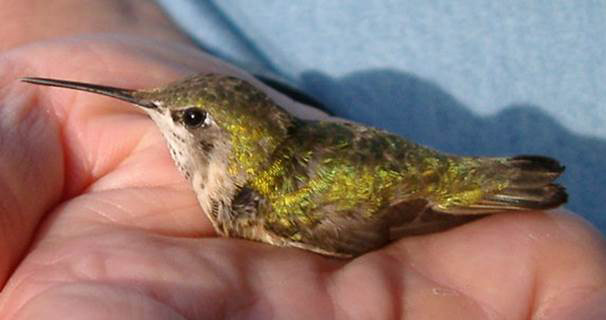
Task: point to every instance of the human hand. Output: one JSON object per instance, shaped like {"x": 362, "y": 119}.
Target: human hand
{"x": 95, "y": 222}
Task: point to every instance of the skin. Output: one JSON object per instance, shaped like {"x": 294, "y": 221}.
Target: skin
{"x": 96, "y": 222}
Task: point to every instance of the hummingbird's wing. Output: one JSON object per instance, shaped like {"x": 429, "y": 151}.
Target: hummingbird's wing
{"x": 345, "y": 189}
{"x": 330, "y": 188}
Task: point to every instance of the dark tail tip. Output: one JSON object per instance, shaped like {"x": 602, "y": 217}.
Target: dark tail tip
{"x": 550, "y": 196}
{"x": 539, "y": 198}
{"x": 538, "y": 163}
{"x": 559, "y": 195}
{"x": 533, "y": 187}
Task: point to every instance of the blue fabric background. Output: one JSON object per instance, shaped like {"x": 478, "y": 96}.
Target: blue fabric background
{"x": 471, "y": 77}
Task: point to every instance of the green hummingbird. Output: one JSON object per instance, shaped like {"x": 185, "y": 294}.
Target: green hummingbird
{"x": 335, "y": 188}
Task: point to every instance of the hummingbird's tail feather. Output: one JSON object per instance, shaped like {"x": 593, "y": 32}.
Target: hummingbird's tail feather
{"x": 530, "y": 186}
{"x": 535, "y": 171}
{"x": 539, "y": 198}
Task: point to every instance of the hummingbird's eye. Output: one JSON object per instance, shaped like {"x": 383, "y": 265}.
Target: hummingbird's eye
{"x": 193, "y": 117}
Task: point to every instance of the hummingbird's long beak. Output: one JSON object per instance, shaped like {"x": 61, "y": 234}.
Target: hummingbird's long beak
{"x": 118, "y": 93}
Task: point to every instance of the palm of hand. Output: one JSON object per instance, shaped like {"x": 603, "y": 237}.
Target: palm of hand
{"x": 115, "y": 232}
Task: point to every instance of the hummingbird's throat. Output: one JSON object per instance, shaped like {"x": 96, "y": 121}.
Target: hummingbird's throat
{"x": 176, "y": 139}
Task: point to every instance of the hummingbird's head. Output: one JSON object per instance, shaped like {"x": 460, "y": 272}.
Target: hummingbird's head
{"x": 207, "y": 120}
{"x": 215, "y": 118}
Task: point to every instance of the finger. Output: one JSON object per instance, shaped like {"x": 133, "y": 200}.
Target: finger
{"x": 31, "y": 167}
{"x": 470, "y": 272}
{"x": 224, "y": 278}
{"x": 521, "y": 265}
{"x": 198, "y": 278}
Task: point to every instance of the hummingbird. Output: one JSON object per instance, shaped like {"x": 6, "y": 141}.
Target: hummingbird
{"x": 339, "y": 189}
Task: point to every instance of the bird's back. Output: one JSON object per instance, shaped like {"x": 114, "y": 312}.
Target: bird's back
{"x": 343, "y": 189}
{"x": 336, "y": 180}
